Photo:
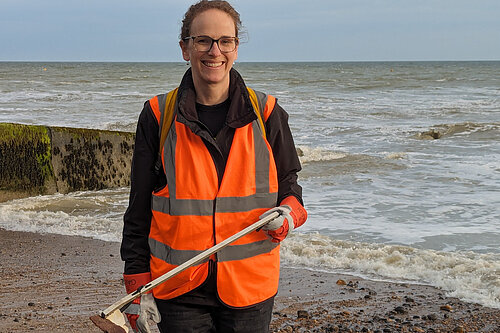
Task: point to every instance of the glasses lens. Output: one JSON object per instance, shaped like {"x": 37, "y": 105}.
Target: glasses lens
{"x": 202, "y": 43}
{"x": 227, "y": 44}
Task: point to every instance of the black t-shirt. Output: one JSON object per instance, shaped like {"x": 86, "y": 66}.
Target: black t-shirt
{"x": 213, "y": 116}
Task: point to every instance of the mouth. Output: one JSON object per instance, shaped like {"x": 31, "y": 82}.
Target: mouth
{"x": 213, "y": 64}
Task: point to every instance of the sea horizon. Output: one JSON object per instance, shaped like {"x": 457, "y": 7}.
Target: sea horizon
{"x": 255, "y": 62}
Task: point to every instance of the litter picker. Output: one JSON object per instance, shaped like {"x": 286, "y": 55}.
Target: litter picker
{"x": 112, "y": 320}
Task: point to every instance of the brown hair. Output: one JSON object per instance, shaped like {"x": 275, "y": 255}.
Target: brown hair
{"x": 204, "y": 5}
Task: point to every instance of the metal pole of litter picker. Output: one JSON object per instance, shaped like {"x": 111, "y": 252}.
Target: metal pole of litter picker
{"x": 120, "y": 304}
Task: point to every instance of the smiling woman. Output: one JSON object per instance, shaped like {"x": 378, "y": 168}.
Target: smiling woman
{"x": 209, "y": 64}
{"x": 225, "y": 158}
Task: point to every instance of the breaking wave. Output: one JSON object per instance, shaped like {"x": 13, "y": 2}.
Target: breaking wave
{"x": 95, "y": 214}
{"x": 318, "y": 162}
{"x": 479, "y": 130}
{"x": 469, "y": 276}
{"x": 308, "y": 154}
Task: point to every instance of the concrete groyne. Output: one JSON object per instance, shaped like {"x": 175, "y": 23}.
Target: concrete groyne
{"x": 45, "y": 160}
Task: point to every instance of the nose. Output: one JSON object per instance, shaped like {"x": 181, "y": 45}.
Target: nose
{"x": 214, "y": 49}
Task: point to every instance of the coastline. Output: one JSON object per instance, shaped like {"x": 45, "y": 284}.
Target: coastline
{"x": 53, "y": 283}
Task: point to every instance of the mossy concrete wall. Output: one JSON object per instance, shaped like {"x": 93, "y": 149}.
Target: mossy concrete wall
{"x": 45, "y": 160}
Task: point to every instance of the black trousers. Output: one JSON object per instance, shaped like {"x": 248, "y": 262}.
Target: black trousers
{"x": 200, "y": 311}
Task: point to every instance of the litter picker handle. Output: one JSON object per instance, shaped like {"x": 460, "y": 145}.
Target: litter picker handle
{"x": 120, "y": 304}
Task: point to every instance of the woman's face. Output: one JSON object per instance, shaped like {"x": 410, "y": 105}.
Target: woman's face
{"x": 210, "y": 67}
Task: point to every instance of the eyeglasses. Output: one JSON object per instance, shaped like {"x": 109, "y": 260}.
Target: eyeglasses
{"x": 205, "y": 43}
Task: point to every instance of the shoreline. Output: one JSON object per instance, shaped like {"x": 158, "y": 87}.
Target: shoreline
{"x": 53, "y": 283}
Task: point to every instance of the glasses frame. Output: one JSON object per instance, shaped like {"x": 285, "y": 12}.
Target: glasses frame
{"x": 216, "y": 41}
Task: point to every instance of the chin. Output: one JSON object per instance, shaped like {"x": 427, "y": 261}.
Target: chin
{"x": 214, "y": 78}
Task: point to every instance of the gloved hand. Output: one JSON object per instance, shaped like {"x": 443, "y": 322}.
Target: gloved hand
{"x": 292, "y": 215}
{"x": 277, "y": 229}
{"x": 142, "y": 308}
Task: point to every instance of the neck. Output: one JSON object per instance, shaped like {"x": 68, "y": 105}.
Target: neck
{"x": 211, "y": 94}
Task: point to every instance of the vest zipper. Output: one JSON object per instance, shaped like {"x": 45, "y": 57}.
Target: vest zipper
{"x": 213, "y": 226}
{"x": 210, "y": 140}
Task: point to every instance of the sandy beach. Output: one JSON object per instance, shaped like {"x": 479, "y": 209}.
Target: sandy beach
{"x": 53, "y": 283}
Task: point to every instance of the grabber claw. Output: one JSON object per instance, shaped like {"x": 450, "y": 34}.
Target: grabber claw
{"x": 113, "y": 323}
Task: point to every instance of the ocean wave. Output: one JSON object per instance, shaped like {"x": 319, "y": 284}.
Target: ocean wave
{"x": 130, "y": 78}
{"x": 318, "y": 162}
{"x": 120, "y": 126}
{"x": 22, "y": 95}
{"x": 44, "y": 96}
{"x": 74, "y": 82}
{"x": 396, "y": 156}
{"x": 96, "y": 214}
{"x": 308, "y": 154}
{"x": 66, "y": 96}
{"x": 469, "y": 276}
{"x": 483, "y": 130}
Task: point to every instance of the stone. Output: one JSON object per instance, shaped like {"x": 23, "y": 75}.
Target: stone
{"x": 432, "y": 317}
{"x": 352, "y": 284}
{"x": 302, "y": 314}
{"x": 400, "y": 310}
{"x": 446, "y": 307}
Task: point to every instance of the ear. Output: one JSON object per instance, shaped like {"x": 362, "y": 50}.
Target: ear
{"x": 185, "y": 50}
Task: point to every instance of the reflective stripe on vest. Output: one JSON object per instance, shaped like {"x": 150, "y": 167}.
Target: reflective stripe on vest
{"x": 230, "y": 252}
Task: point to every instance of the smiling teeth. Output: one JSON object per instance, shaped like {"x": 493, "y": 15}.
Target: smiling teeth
{"x": 213, "y": 64}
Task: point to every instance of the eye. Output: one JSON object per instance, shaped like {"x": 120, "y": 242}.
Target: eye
{"x": 203, "y": 40}
{"x": 226, "y": 41}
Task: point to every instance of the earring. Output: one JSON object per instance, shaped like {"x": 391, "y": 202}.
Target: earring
{"x": 187, "y": 63}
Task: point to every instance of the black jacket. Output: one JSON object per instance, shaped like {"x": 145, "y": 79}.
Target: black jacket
{"x": 137, "y": 218}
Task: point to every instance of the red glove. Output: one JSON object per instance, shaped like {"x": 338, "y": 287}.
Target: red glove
{"x": 132, "y": 282}
{"x": 292, "y": 215}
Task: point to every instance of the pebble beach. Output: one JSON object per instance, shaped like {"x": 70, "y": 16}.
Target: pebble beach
{"x": 53, "y": 283}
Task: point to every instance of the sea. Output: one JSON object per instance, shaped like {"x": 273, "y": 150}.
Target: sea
{"x": 400, "y": 160}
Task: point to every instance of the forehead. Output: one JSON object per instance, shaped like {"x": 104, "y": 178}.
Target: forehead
{"x": 213, "y": 23}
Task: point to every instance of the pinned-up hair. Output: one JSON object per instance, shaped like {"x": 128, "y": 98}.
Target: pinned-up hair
{"x": 204, "y": 5}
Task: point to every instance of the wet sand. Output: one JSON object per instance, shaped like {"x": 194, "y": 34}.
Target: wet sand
{"x": 53, "y": 283}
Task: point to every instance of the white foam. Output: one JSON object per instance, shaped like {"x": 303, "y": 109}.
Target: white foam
{"x": 89, "y": 214}
{"x": 469, "y": 276}
{"x": 120, "y": 126}
{"x": 318, "y": 154}
{"x": 396, "y": 156}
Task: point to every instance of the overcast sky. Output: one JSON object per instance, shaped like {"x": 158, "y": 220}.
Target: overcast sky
{"x": 277, "y": 30}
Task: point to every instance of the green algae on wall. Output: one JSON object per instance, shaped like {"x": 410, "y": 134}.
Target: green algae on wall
{"x": 89, "y": 159}
{"x": 25, "y": 158}
{"x": 46, "y": 160}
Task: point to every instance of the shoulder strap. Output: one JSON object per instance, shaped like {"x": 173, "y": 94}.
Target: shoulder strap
{"x": 167, "y": 115}
{"x": 258, "y": 109}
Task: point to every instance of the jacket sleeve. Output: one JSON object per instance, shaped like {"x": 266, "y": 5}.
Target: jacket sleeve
{"x": 280, "y": 139}
{"x": 137, "y": 219}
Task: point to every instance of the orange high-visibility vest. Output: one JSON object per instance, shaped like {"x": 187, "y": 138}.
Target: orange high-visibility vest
{"x": 192, "y": 213}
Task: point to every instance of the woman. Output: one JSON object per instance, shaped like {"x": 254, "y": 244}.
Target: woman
{"x": 222, "y": 166}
